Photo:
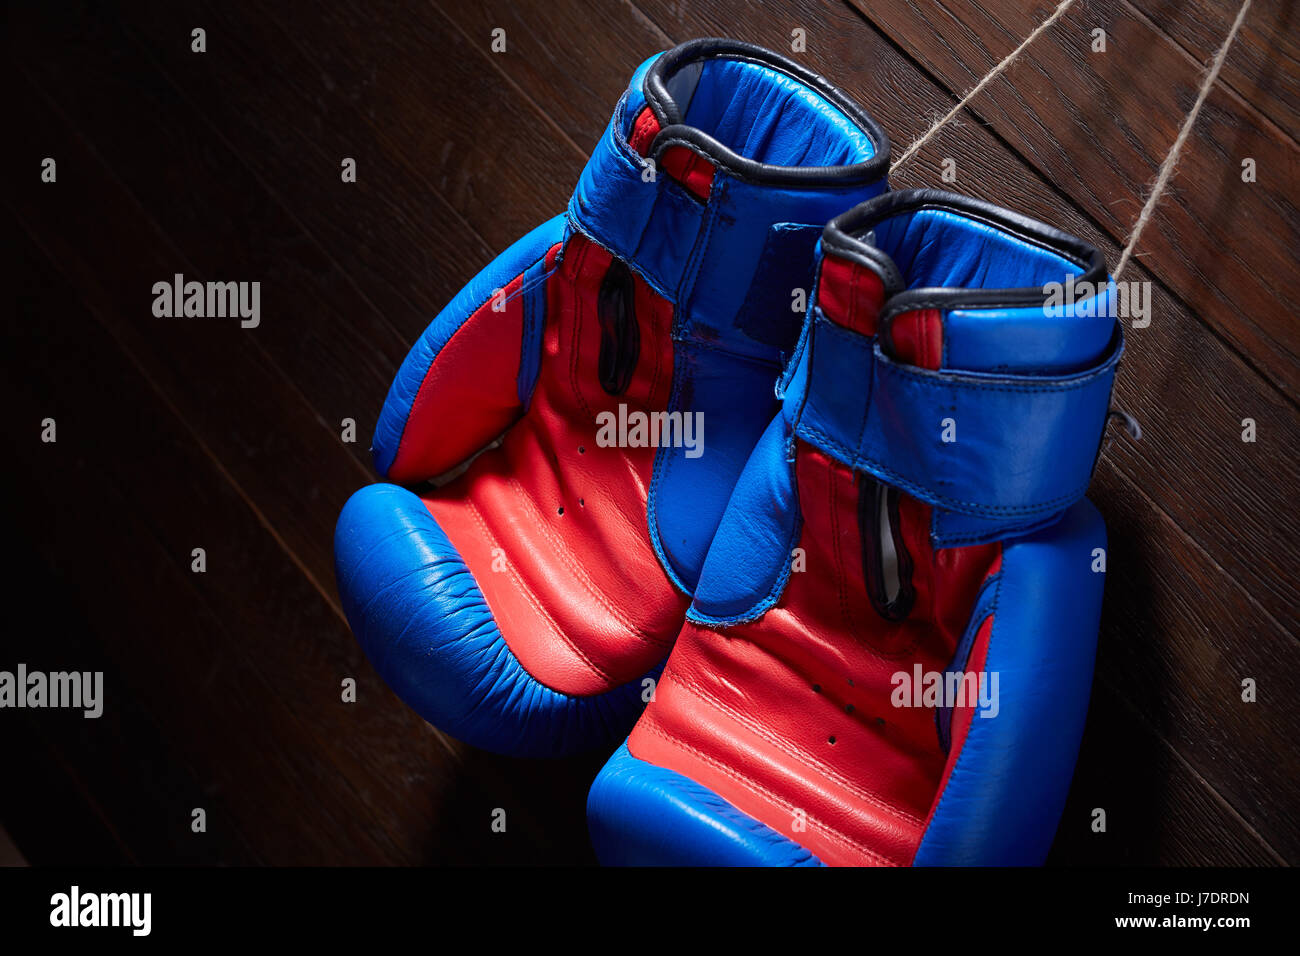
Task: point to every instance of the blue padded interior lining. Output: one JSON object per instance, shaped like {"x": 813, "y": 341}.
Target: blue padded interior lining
{"x": 768, "y": 117}
{"x": 934, "y": 248}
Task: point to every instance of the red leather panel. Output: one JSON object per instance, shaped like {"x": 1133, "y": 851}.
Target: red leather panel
{"x": 793, "y": 713}
{"x": 917, "y": 338}
{"x": 579, "y": 596}
{"x": 687, "y": 167}
{"x": 850, "y": 295}
{"x": 469, "y": 391}
{"x": 690, "y": 169}
{"x": 644, "y": 130}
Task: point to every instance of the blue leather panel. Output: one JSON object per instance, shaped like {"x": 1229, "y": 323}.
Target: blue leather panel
{"x": 944, "y": 250}
{"x": 427, "y": 629}
{"x": 1005, "y": 795}
{"x": 643, "y": 815}
{"x": 742, "y": 217}
{"x": 667, "y": 250}
{"x": 737, "y": 394}
{"x": 758, "y": 533}
{"x": 633, "y": 100}
{"x": 530, "y": 353}
{"x": 936, "y": 248}
{"x": 611, "y": 204}
{"x": 401, "y": 394}
{"x": 950, "y": 529}
{"x": 704, "y": 257}
{"x": 979, "y": 340}
{"x": 771, "y": 118}
{"x": 733, "y": 398}
{"x": 1024, "y": 445}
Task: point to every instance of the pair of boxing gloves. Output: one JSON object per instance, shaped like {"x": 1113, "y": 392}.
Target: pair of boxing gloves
{"x": 765, "y": 478}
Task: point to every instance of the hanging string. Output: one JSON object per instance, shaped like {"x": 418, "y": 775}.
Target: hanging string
{"x": 1171, "y": 160}
{"x": 1166, "y": 168}
{"x": 975, "y": 90}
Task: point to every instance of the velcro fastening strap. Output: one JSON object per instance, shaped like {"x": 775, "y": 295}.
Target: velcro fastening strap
{"x": 1002, "y": 446}
{"x": 787, "y": 264}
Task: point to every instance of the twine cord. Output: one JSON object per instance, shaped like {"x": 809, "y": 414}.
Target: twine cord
{"x": 1171, "y": 159}
{"x": 975, "y": 90}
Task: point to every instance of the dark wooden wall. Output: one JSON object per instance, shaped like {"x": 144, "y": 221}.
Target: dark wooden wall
{"x": 224, "y": 687}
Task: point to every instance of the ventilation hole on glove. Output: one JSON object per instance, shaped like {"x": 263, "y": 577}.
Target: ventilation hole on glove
{"x": 880, "y": 721}
{"x": 581, "y": 450}
{"x": 560, "y": 510}
{"x": 581, "y": 503}
{"x": 830, "y": 739}
{"x": 850, "y": 681}
{"x": 817, "y": 688}
{"x": 848, "y": 708}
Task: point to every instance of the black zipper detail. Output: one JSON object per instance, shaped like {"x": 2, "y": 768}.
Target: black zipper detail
{"x": 620, "y": 338}
{"x": 874, "y": 501}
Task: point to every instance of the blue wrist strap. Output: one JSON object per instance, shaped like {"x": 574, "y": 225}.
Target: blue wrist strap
{"x": 1011, "y": 448}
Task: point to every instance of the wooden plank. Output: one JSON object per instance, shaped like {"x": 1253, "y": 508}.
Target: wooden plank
{"x": 1177, "y": 640}
{"x": 137, "y": 790}
{"x": 217, "y": 377}
{"x": 389, "y": 231}
{"x": 1157, "y": 809}
{"x": 319, "y": 329}
{"x": 533, "y": 819}
{"x": 561, "y": 58}
{"x": 1263, "y": 66}
{"x": 282, "y": 628}
{"x": 254, "y": 747}
{"x": 427, "y": 140}
{"x": 51, "y": 818}
{"x": 248, "y": 741}
{"x": 275, "y": 624}
{"x": 1098, "y": 126}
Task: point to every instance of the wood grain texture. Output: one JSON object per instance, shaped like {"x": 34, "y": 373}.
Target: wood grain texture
{"x": 225, "y": 387}
{"x": 1177, "y": 640}
{"x": 1180, "y": 821}
{"x": 254, "y": 656}
{"x": 1098, "y": 126}
{"x": 226, "y": 166}
{"x": 138, "y": 791}
{"x": 1263, "y": 67}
